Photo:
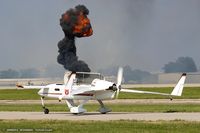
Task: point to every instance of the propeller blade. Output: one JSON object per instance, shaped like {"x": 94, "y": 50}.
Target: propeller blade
{"x": 119, "y": 81}
{"x": 118, "y": 90}
{"x": 119, "y": 76}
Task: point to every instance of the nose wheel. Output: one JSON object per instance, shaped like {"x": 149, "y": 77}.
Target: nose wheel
{"x": 46, "y": 111}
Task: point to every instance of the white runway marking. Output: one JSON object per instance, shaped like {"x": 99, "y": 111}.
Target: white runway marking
{"x": 100, "y": 117}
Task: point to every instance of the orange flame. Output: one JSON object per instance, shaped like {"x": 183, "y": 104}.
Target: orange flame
{"x": 82, "y": 28}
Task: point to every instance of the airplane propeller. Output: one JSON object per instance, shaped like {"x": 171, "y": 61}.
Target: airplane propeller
{"x": 119, "y": 81}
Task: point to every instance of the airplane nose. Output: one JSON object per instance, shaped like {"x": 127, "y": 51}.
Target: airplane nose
{"x": 113, "y": 87}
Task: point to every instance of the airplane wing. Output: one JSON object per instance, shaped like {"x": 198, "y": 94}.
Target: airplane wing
{"x": 177, "y": 91}
{"x": 29, "y": 86}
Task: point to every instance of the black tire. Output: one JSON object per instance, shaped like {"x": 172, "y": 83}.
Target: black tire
{"x": 104, "y": 112}
{"x": 46, "y": 111}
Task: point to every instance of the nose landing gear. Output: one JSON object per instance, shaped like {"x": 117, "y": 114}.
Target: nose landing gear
{"x": 46, "y": 110}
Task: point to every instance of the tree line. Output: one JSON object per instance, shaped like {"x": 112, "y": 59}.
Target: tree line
{"x": 25, "y": 73}
{"x": 182, "y": 64}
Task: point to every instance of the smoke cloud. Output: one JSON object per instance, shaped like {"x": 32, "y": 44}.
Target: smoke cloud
{"x": 74, "y": 23}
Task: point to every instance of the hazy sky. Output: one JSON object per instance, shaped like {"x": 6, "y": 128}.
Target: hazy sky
{"x": 145, "y": 34}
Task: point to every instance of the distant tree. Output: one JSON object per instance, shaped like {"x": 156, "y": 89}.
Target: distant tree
{"x": 140, "y": 75}
{"x": 110, "y": 71}
{"x": 9, "y": 74}
{"x": 53, "y": 71}
{"x": 129, "y": 75}
{"x": 182, "y": 64}
{"x": 29, "y": 73}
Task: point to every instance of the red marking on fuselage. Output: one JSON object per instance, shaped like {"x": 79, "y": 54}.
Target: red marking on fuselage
{"x": 85, "y": 94}
{"x": 66, "y": 91}
{"x": 53, "y": 93}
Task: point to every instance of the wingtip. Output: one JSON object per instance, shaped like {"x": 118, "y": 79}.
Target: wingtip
{"x": 184, "y": 74}
{"x": 19, "y": 86}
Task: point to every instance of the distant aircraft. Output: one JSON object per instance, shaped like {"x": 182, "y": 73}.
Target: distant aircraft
{"x": 91, "y": 86}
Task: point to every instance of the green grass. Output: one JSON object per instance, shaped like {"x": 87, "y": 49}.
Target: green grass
{"x": 114, "y": 107}
{"x": 19, "y": 94}
{"x": 124, "y": 126}
{"x": 120, "y": 126}
{"x": 31, "y": 94}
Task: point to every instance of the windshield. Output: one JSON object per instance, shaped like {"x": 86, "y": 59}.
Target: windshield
{"x": 87, "y": 78}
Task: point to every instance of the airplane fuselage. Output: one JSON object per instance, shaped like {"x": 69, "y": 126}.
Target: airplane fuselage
{"x": 89, "y": 86}
{"x": 59, "y": 91}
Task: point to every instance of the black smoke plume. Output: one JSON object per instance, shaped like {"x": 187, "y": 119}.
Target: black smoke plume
{"x": 74, "y": 23}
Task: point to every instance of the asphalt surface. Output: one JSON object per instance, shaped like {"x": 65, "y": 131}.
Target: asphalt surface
{"x": 104, "y": 117}
{"x": 116, "y": 101}
{"x": 100, "y": 117}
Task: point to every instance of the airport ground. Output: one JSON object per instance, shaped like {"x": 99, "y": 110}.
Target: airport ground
{"x": 119, "y": 126}
{"x": 131, "y": 113}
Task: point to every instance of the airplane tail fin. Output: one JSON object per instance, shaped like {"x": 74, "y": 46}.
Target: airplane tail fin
{"x": 69, "y": 83}
{"x": 178, "y": 89}
{"x": 67, "y": 76}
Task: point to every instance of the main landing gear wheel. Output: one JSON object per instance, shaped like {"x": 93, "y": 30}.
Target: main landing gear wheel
{"x": 46, "y": 111}
{"x": 103, "y": 109}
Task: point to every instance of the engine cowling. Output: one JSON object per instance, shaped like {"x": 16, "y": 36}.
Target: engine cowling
{"x": 101, "y": 84}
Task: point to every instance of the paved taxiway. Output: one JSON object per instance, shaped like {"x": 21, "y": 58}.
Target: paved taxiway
{"x": 100, "y": 117}
{"x": 116, "y": 101}
{"x": 104, "y": 117}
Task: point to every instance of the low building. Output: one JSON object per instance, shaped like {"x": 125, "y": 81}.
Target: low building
{"x": 171, "y": 78}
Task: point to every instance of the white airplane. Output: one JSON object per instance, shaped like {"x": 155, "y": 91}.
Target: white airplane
{"x": 91, "y": 86}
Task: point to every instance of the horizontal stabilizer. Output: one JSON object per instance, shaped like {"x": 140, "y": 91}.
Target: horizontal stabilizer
{"x": 144, "y": 92}
{"x": 177, "y": 91}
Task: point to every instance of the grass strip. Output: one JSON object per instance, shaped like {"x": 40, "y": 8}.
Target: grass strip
{"x": 120, "y": 126}
{"x": 114, "y": 107}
